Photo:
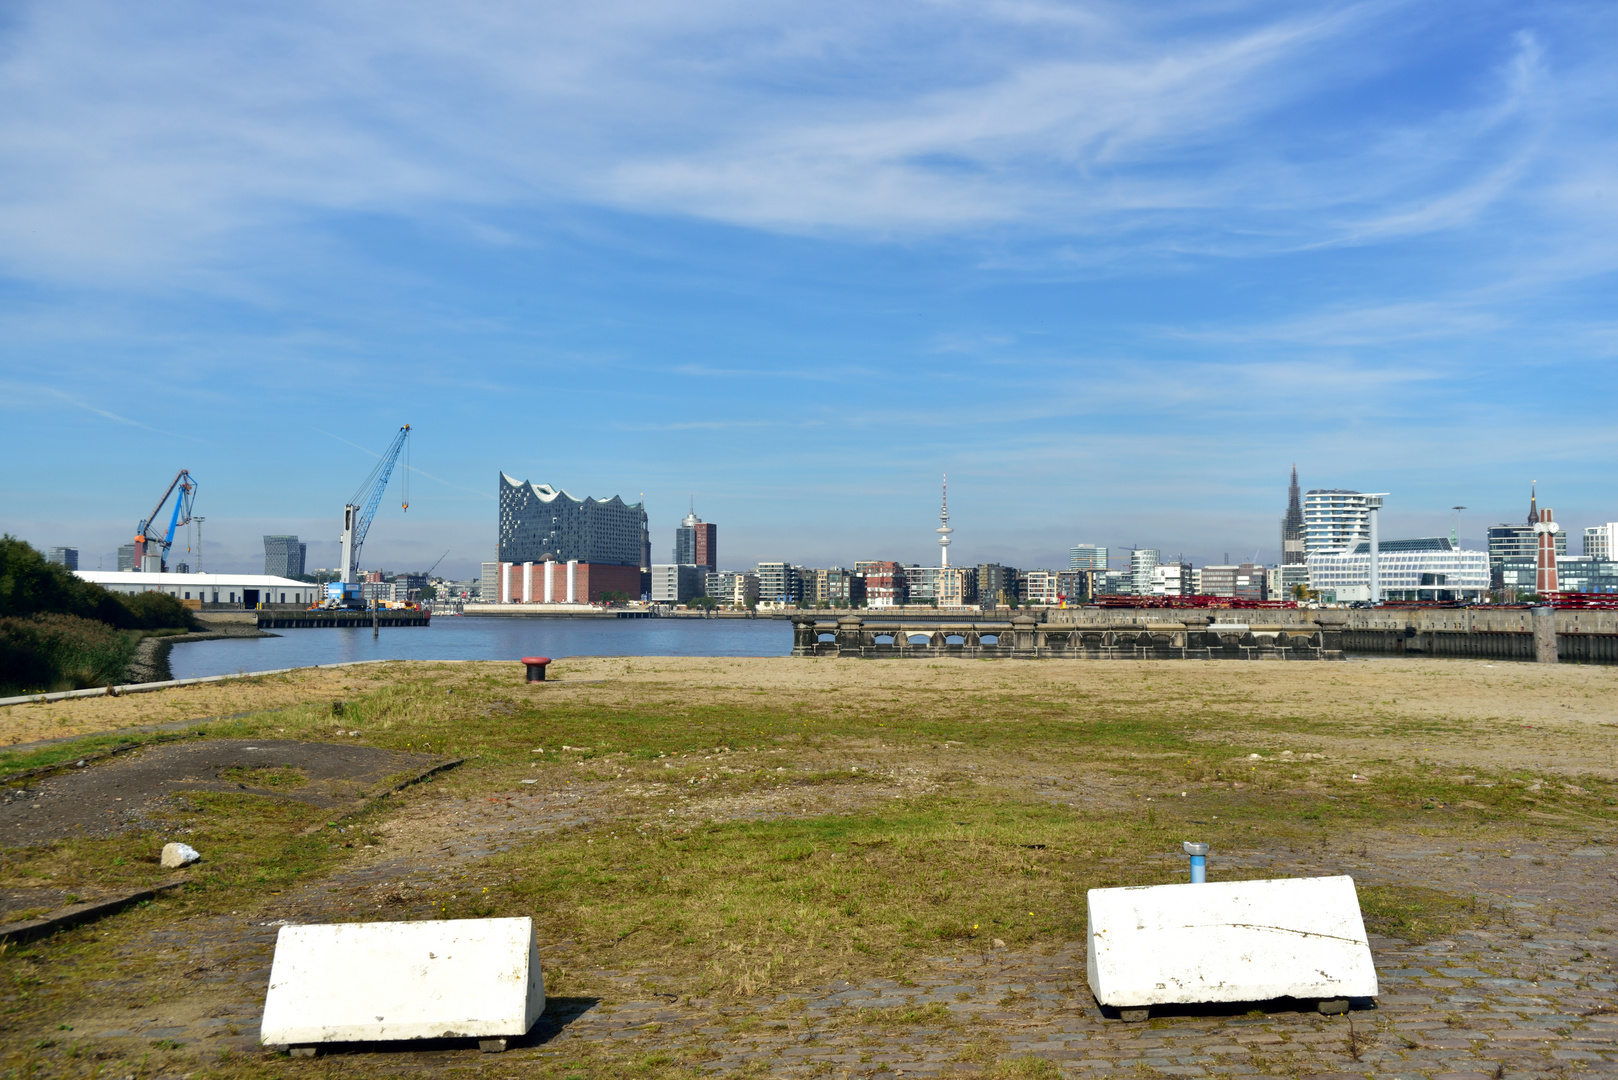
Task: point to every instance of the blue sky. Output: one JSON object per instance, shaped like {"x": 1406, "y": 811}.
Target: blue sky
{"x": 1113, "y": 267}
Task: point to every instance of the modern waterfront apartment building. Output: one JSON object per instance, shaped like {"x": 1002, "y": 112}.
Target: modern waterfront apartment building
{"x": 1334, "y": 519}
{"x": 738, "y": 588}
{"x": 675, "y": 583}
{"x": 779, "y": 583}
{"x": 997, "y": 584}
{"x": 885, "y": 583}
{"x": 1142, "y": 561}
{"x": 1039, "y": 588}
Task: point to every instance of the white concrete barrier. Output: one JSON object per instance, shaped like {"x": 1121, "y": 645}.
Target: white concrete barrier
{"x": 1229, "y": 941}
{"x": 353, "y": 982}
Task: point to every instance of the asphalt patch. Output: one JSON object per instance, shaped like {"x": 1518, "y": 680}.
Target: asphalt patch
{"x": 116, "y": 795}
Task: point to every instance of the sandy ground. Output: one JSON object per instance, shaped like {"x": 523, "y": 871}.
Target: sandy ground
{"x": 1465, "y": 713}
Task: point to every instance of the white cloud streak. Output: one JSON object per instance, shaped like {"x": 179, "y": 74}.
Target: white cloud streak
{"x": 155, "y": 145}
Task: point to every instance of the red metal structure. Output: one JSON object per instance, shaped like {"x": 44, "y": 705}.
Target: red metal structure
{"x": 1191, "y": 602}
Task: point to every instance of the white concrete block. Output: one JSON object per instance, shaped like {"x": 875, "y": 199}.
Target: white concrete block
{"x": 352, "y": 982}
{"x": 1229, "y": 941}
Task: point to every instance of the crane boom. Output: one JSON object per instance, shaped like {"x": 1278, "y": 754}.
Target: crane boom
{"x": 181, "y": 516}
{"x": 361, "y": 509}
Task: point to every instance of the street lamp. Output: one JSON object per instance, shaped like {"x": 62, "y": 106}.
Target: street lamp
{"x": 1453, "y": 542}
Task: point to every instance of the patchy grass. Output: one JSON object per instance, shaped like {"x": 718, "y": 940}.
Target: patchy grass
{"x": 268, "y": 777}
{"x": 1041, "y": 781}
{"x": 249, "y": 844}
{"x": 13, "y": 761}
{"x": 1417, "y": 914}
{"x": 740, "y": 908}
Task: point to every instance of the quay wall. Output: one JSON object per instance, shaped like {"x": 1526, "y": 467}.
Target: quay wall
{"x": 1538, "y": 634}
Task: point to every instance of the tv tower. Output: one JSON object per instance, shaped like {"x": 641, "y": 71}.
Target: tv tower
{"x": 943, "y": 526}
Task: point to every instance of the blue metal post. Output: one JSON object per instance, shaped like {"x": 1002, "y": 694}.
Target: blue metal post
{"x": 1199, "y": 861}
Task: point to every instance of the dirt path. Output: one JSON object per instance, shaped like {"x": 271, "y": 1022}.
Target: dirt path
{"x": 121, "y": 793}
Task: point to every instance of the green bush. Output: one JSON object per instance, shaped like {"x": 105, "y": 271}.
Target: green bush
{"x": 153, "y": 611}
{"x": 52, "y": 651}
{"x": 31, "y": 586}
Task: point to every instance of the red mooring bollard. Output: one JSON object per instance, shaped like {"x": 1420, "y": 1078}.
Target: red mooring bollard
{"x": 536, "y": 667}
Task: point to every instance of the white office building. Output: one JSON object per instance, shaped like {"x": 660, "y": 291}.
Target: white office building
{"x": 1601, "y": 541}
{"x": 1334, "y": 519}
{"x": 1087, "y": 557}
{"x": 675, "y": 583}
{"x": 1423, "y": 569}
{"x": 1172, "y": 579}
{"x": 1281, "y": 581}
{"x": 1142, "y": 561}
{"x": 239, "y": 590}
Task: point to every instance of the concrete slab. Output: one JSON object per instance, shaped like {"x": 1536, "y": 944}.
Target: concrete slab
{"x": 361, "y": 982}
{"x": 1229, "y": 941}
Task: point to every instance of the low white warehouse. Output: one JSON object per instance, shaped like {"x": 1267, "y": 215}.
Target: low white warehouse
{"x": 241, "y": 590}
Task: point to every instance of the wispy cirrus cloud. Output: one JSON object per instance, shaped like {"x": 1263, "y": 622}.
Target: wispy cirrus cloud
{"x": 201, "y": 132}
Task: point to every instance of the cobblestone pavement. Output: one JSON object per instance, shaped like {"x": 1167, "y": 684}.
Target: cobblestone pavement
{"x": 1532, "y": 994}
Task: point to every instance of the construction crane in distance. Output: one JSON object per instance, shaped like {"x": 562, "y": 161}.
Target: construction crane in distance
{"x": 144, "y": 537}
{"x": 361, "y": 509}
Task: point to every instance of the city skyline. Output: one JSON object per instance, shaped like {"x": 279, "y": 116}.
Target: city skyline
{"x": 981, "y": 548}
{"x": 1112, "y": 267}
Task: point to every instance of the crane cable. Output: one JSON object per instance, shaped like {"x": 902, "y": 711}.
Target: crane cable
{"x": 407, "y": 470}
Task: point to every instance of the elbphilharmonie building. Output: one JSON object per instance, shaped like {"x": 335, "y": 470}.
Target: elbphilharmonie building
{"x": 539, "y": 522}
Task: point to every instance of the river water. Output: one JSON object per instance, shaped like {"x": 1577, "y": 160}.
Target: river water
{"x": 462, "y": 638}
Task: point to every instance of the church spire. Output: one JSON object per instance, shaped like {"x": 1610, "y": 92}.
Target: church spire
{"x": 1533, "y": 504}
{"x": 1292, "y": 544}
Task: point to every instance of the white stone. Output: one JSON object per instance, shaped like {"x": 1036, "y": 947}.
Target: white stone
{"x": 1229, "y": 941}
{"x": 353, "y": 982}
{"x": 177, "y": 855}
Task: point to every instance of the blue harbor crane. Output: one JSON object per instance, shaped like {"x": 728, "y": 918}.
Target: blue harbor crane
{"x": 145, "y": 537}
{"x": 361, "y": 509}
